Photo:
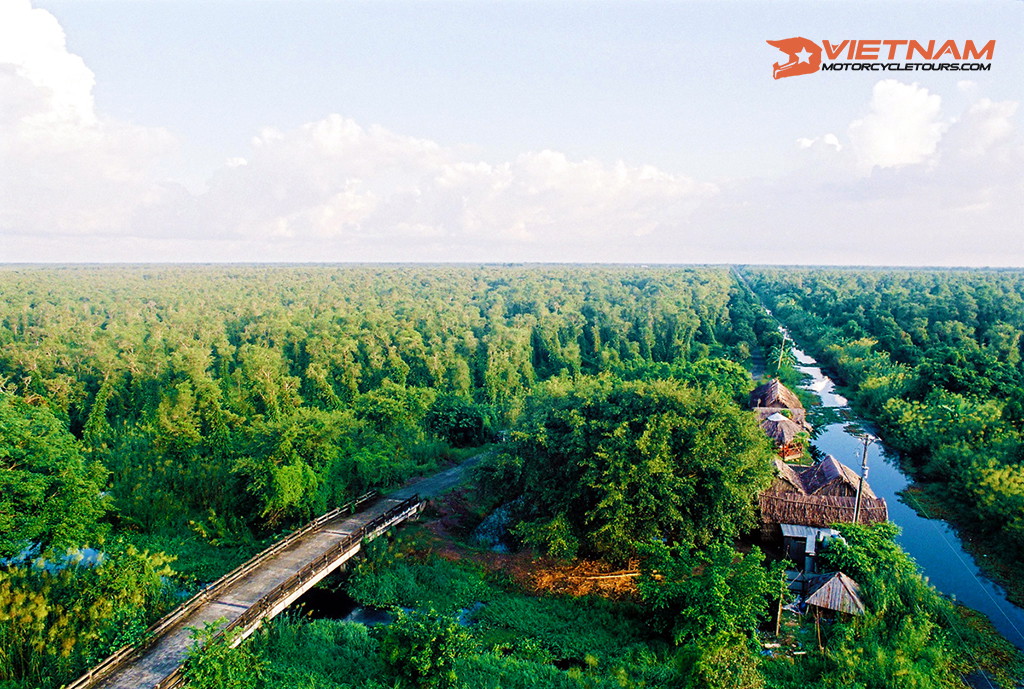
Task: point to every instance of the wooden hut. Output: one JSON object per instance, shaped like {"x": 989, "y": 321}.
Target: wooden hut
{"x": 816, "y": 510}
{"x": 775, "y": 394}
{"x": 786, "y": 433}
{"x": 832, "y": 477}
{"x": 781, "y": 416}
{"x": 834, "y": 592}
{"x": 773, "y": 397}
{"x": 801, "y": 505}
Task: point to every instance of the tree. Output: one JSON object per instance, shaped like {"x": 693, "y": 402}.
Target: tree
{"x": 606, "y": 464}
{"x": 458, "y": 421}
{"x": 49, "y": 494}
{"x": 424, "y": 648}
{"x": 700, "y": 593}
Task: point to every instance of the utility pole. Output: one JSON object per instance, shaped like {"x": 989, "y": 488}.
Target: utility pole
{"x": 782, "y": 353}
{"x": 867, "y": 439}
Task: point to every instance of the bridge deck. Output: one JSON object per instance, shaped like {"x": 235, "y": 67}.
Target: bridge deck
{"x": 263, "y": 586}
{"x": 161, "y": 659}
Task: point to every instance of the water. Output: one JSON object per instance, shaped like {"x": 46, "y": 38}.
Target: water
{"x": 931, "y": 542}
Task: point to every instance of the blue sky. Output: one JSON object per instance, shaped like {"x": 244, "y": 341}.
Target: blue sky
{"x": 501, "y": 131}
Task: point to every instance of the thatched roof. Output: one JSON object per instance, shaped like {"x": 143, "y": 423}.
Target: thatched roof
{"x": 836, "y": 592}
{"x": 781, "y": 430}
{"x": 832, "y": 477}
{"x": 797, "y": 415}
{"x": 818, "y": 510}
{"x": 789, "y": 479}
{"x": 775, "y": 394}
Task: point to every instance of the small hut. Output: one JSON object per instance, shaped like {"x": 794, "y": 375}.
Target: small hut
{"x": 781, "y": 416}
{"x": 834, "y": 592}
{"x": 816, "y": 510}
{"x": 832, "y": 477}
{"x": 803, "y": 520}
{"x": 786, "y": 434}
{"x": 775, "y": 394}
{"x": 775, "y": 398}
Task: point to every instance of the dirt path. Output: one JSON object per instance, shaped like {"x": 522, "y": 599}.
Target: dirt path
{"x": 432, "y": 486}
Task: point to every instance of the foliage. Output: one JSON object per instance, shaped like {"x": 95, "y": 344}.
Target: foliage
{"x": 212, "y": 663}
{"x": 263, "y": 394}
{"x": 561, "y": 628}
{"x": 424, "y": 648}
{"x": 599, "y": 464}
{"x": 459, "y": 421}
{"x": 391, "y": 578}
{"x": 49, "y": 494}
{"x": 700, "y": 593}
{"x": 320, "y": 654}
{"x": 60, "y": 615}
{"x": 721, "y": 661}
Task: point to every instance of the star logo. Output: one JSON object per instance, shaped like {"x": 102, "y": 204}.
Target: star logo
{"x": 804, "y": 57}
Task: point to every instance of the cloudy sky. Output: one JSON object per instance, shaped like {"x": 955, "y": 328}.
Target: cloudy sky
{"x": 294, "y": 130}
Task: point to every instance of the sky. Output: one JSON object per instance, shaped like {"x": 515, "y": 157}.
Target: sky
{"x": 502, "y": 131}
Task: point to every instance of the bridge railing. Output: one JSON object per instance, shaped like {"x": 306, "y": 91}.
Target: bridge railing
{"x": 126, "y": 654}
{"x": 261, "y": 608}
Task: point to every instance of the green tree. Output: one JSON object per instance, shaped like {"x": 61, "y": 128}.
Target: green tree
{"x": 606, "y": 464}
{"x": 49, "y": 494}
{"x": 424, "y": 648}
{"x": 701, "y": 593}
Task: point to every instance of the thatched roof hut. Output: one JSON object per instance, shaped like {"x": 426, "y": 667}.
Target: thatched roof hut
{"x": 775, "y": 395}
{"x": 832, "y": 477}
{"x": 836, "y": 592}
{"x": 787, "y": 479}
{"x": 781, "y": 429}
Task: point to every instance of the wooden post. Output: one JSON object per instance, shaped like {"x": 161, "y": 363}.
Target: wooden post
{"x": 778, "y": 615}
{"x": 817, "y": 626}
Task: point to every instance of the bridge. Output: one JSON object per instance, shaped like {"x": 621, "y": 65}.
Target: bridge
{"x": 258, "y": 589}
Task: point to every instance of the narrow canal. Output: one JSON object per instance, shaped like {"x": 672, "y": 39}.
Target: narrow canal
{"x": 931, "y": 542}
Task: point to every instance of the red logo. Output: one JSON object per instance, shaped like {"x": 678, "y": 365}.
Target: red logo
{"x": 877, "y": 55}
{"x": 804, "y": 57}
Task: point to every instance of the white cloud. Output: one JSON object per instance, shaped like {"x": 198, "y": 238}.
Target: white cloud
{"x": 65, "y": 169}
{"x": 903, "y": 127}
{"x": 336, "y": 181}
{"x": 983, "y": 126}
{"x": 912, "y": 185}
{"x": 904, "y": 183}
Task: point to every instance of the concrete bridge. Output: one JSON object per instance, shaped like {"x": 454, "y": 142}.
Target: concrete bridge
{"x": 265, "y": 585}
{"x": 256, "y": 591}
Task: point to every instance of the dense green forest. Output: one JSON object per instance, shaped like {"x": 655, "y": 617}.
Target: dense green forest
{"x": 934, "y": 358}
{"x": 297, "y": 388}
{"x": 160, "y": 424}
{"x": 197, "y": 410}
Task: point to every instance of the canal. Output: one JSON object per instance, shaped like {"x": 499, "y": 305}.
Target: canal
{"x": 931, "y": 542}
